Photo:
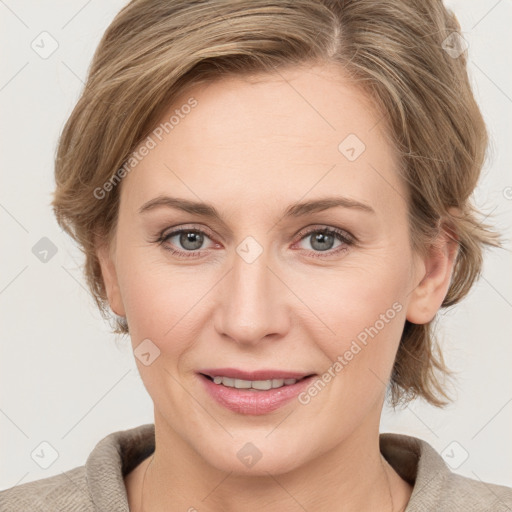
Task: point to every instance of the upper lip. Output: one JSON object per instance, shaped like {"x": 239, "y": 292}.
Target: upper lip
{"x": 253, "y": 375}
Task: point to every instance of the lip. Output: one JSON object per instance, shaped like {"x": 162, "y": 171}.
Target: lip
{"x": 254, "y": 403}
{"x": 235, "y": 373}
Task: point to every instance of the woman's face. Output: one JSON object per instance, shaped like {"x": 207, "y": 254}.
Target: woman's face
{"x": 272, "y": 283}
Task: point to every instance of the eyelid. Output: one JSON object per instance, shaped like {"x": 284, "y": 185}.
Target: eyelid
{"x": 350, "y": 238}
{"x": 324, "y": 227}
{"x": 187, "y": 227}
{"x": 346, "y": 239}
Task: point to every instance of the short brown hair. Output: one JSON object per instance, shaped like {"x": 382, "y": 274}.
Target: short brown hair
{"x": 393, "y": 49}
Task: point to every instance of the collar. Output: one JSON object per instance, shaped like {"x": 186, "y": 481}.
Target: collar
{"x": 118, "y": 453}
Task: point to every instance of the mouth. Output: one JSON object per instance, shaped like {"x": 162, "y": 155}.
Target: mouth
{"x": 254, "y": 384}
{"x": 254, "y": 392}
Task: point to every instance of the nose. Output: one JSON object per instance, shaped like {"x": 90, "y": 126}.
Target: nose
{"x": 252, "y": 302}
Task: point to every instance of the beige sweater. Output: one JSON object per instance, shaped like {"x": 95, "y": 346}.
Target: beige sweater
{"x": 99, "y": 486}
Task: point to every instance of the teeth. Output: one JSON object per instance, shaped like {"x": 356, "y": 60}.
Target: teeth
{"x": 261, "y": 385}
{"x": 240, "y": 384}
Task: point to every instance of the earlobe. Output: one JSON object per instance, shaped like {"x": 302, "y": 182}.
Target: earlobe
{"x": 435, "y": 279}
{"x": 110, "y": 280}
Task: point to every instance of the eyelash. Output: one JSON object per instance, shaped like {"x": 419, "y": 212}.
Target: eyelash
{"x": 342, "y": 236}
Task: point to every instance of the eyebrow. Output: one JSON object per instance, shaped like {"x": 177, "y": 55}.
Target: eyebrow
{"x": 292, "y": 211}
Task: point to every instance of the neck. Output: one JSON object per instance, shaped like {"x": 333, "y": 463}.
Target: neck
{"x": 353, "y": 476}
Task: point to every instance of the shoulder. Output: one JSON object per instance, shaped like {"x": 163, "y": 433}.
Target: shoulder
{"x": 435, "y": 485}
{"x": 66, "y": 491}
{"x": 98, "y": 485}
{"x": 458, "y": 492}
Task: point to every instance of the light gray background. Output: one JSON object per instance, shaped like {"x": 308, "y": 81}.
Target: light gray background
{"x": 64, "y": 378}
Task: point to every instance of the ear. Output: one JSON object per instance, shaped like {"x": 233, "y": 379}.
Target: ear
{"x": 434, "y": 276}
{"x": 104, "y": 252}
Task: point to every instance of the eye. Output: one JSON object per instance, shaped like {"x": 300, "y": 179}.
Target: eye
{"x": 322, "y": 240}
{"x": 189, "y": 239}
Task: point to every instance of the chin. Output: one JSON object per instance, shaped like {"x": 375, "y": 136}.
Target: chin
{"x": 275, "y": 464}
{"x": 255, "y": 455}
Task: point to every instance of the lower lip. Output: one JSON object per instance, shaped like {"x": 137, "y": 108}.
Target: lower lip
{"x": 245, "y": 401}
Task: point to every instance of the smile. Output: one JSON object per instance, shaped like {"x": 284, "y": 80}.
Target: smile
{"x": 255, "y": 392}
{"x": 257, "y": 385}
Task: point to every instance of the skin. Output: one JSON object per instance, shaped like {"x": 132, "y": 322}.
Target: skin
{"x": 251, "y": 147}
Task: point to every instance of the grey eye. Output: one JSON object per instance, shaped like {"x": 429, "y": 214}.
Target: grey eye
{"x": 322, "y": 241}
{"x": 189, "y": 240}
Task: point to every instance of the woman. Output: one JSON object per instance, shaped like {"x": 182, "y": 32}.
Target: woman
{"x": 272, "y": 198}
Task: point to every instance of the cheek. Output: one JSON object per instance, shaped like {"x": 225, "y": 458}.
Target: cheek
{"x": 362, "y": 313}
{"x": 366, "y": 317}
{"x": 162, "y": 304}
{"x": 161, "y": 300}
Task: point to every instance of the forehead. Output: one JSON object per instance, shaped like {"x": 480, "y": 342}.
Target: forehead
{"x": 265, "y": 138}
